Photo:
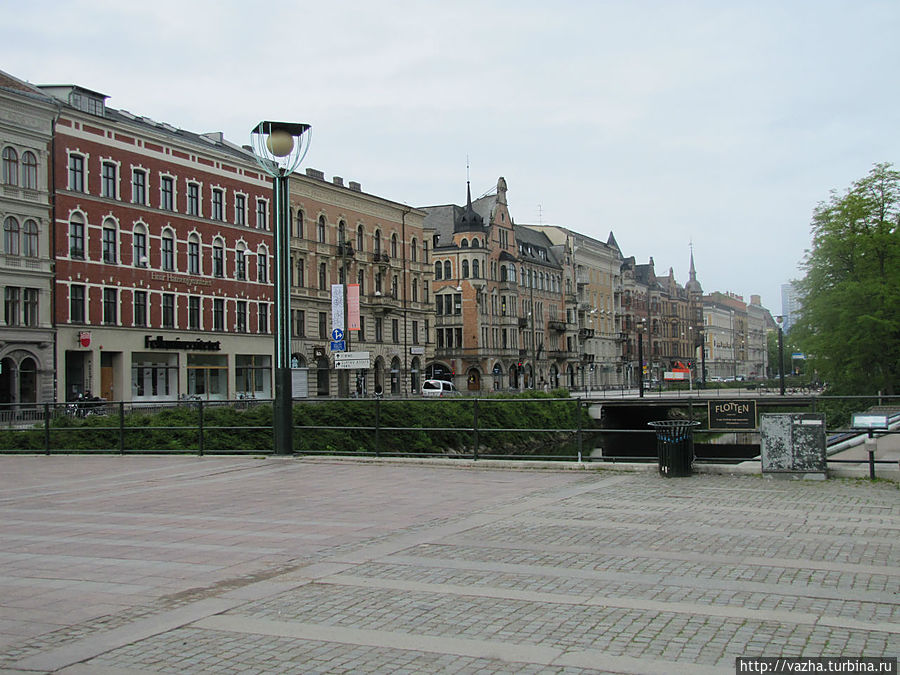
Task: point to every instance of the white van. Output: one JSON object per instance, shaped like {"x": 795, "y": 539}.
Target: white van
{"x": 439, "y": 388}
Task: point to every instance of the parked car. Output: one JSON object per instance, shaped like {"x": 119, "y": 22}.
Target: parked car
{"x": 439, "y": 388}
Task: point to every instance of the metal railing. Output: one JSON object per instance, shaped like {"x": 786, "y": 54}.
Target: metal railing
{"x": 561, "y": 429}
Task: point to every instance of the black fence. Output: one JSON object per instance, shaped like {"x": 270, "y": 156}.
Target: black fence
{"x": 522, "y": 428}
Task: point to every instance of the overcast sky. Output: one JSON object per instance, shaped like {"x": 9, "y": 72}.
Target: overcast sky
{"x": 721, "y": 123}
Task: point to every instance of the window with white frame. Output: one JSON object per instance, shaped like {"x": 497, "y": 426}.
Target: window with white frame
{"x": 167, "y": 250}
{"x": 31, "y": 239}
{"x": 218, "y": 204}
{"x": 167, "y": 193}
{"x": 109, "y": 180}
{"x": 29, "y": 170}
{"x": 240, "y": 209}
{"x": 193, "y": 199}
{"x": 138, "y": 186}
{"x": 77, "y": 182}
{"x": 110, "y": 242}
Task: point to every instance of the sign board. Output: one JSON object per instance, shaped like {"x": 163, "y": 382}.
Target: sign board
{"x": 793, "y": 443}
{"x": 734, "y": 415}
{"x": 84, "y": 338}
{"x": 337, "y": 335}
{"x": 352, "y": 360}
{"x": 670, "y": 375}
{"x": 865, "y": 421}
{"x": 337, "y": 306}
{"x": 339, "y": 345}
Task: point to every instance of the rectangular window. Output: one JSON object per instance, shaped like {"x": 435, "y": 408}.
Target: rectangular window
{"x": 219, "y": 314}
{"x": 109, "y": 245}
{"x": 323, "y": 328}
{"x": 218, "y": 199}
{"x": 168, "y": 252}
{"x": 262, "y": 217}
{"x": 262, "y": 268}
{"x": 167, "y": 193}
{"x": 361, "y": 336}
{"x": 395, "y": 331}
{"x": 140, "y": 308}
{"x": 138, "y": 186}
{"x": 139, "y": 249}
{"x": 415, "y": 332}
{"x": 240, "y": 265}
{"x": 193, "y": 199}
{"x": 11, "y": 306}
{"x": 30, "y": 307}
{"x": 301, "y": 273}
{"x": 194, "y": 312}
{"x": 110, "y": 306}
{"x": 76, "y": 239}
{"x": 379, "y": 330}
{"x": 323, "y": 277}
{"x": 218, "y": 260}
{"x": 168, "y": 310}
{"x": 240, "y": 210}
{"x": 194, "y": 257}
{"x": 76, "y": 173}
{"x": 110, "y": 180}
{"x": 263, "y": 314}
{"x": 241, "y": 316}
{"x": 298, "y": 323}
{"x": 76, "y": 304}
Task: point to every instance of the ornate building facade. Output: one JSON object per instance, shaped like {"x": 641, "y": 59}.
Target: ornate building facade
{"x": 27, "y": 364}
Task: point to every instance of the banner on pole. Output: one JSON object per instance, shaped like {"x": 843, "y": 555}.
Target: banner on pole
{"x": 337, "y": 306}
{"x": 352, "y": 306}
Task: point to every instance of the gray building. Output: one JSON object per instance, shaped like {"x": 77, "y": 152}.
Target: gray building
{"x": 26, "y": 268}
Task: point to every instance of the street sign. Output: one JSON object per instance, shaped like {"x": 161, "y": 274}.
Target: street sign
{"x": 337, "y": 335}
{"x": 352, "y": 360}
{"x": 338, "y": 345}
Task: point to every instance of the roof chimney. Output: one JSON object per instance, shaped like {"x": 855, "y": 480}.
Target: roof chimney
{"x": 315, "y": 173}
{"x": 355, "y": 186}
{"x": 337, "y": 180}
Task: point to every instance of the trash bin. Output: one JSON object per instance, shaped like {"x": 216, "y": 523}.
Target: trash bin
{"x": 675, "y": 446}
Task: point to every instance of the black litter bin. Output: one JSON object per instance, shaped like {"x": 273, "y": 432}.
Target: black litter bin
{"x": 675, "y": 446}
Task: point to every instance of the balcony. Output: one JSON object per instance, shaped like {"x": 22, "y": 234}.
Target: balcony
{"x": 585, "y": 333}
{"x": 558, "y": 326}
{"x": 382, "y": 259}
{"x": 561, "y": 354}
{"x": 345, "y": 249}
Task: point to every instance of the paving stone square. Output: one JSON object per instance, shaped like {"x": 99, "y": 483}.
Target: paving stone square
{"x": 142, "y": 564}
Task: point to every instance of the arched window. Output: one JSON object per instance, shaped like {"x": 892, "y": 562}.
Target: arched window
{"x": 464, "y": 243}
{"x": 31, "y": 240}
{"x": 342, "y": 232}
{"x": 503, "y": 274}
{"x": 360, "y": 279}
{"x": 194, "y": 253}
{"x": 11, "y": 236}
{"x": 360, "y": 237}
{"x": 438, "y": 268}
{"x": 299, "y": 226}
{"x": 512, "y": 273}
{"x": 413, "y": 254}
{"x": 465, "y": 269}
{"x": 475, "y": 271}
{"x": 321, "y": 230}
{"x": 393, "y": 245}
{"x": 10, "y": 166}
{"x": 29, "y": 170}
{"x": 448, "y": 274}
{"x": 475, "y": 243}
{"x": 377, "y": 242}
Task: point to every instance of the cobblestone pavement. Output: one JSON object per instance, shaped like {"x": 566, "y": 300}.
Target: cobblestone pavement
{"x": 253, "y": 565}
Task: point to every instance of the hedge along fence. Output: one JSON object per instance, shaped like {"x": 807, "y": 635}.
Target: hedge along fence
{"x": 533, "y": 425}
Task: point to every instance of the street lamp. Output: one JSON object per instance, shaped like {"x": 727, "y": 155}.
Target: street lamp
{"x": 279, "y": 147}
{"x": 641, "y": 326}
{"x": 780, "y": 319}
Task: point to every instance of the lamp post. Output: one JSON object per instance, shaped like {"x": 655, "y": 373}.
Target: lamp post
{"x": 279, "y": 147}
{"x": 641, "y": 359}
{"x": 780, "y": 319}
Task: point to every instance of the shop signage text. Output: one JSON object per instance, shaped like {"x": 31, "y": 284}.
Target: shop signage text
{"x": 197, "y": 345}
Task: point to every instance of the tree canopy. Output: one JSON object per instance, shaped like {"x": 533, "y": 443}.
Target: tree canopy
{"x": 850, "y": 320}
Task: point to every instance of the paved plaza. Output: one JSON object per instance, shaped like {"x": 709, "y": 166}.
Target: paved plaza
{"x": 263, "y": 565}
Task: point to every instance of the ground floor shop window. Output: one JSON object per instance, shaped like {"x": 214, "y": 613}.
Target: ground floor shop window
{"x": 154, "y": 376}
{"x": 207, "y": 376}
{"x": 252, "y": 375}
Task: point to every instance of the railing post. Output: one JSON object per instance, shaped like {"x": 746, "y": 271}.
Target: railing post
{"x": 378, "y": 427}
{"x": 475, "y": 428}
{"x": 579, "y": 434}
{"x": 121, "y": 427}
{"x": 46, "y": 428}
{"x": 200, "y": 428}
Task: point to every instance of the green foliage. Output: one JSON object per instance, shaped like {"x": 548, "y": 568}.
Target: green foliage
{"x": 850, "y": 322}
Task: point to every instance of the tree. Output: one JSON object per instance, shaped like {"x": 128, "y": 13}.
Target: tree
{"x": 850, "y": 321}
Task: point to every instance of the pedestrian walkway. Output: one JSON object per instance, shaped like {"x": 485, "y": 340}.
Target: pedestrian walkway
{"x": 255, "y": 565}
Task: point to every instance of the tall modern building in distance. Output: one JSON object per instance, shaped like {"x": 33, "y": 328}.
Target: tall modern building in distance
{"x": 790, "y": 305}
